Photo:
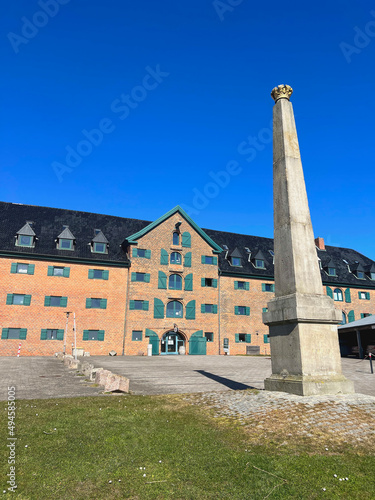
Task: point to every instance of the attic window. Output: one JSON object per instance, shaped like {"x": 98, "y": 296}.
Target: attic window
{"x": 236, "y": 261}
{"x": 259, "y": 263}
{"x": 331, "y": 271}
{"x": 99, "y": 243}
{"x": 372, "y": 276}
{"x": 65, "y": 244}
{"x": 65, "y": 240}
{"x": 360, "y": 275}
{"x": 24, "y": 241}
{"x": 176, "y": 238}
{"x": 26, "y": 236}
{"x": 99, "y": 247}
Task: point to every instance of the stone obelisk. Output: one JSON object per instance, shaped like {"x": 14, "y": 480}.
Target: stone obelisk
{"x": 302, "y": 320}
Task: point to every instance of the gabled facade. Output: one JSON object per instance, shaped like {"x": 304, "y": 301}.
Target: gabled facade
{"x": 130, "y": 283}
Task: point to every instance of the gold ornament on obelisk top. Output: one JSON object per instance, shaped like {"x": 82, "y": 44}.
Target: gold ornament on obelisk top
{"x": 281, "y": 92}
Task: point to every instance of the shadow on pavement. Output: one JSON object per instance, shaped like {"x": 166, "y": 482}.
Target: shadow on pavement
{"x": 232, "y": 384}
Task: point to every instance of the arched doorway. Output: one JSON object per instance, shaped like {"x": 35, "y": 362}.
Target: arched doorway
{"x": 171, "y": 342}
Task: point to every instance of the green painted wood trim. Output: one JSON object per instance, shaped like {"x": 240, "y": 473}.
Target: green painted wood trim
{"x": 58, "y": 258}
{"x": 133, "y": 239}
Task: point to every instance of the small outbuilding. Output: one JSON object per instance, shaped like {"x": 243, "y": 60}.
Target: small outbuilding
{"x": 358, "y": 337}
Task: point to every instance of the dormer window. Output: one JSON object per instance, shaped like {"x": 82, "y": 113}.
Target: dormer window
{"x": 99, "y": 243}
{"x": 259, "y": 260}
{"x": 360, "y": 275}
{"x": 26, "y": 236}
{"x": 236, "y": 258}
{"x": 370, "y": 271}
{"x": 259, "y": 263}
{"x": 332, "y": 271}
{"x": 329, "y": 267}
{"x": 65, "y": 240}
{"x": 236, "y": 261}
{"x": 358, "y": 270}
{"x": 176, "y": 238}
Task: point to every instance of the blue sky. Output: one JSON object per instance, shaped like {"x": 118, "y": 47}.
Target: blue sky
{"x": 130, "y": 108}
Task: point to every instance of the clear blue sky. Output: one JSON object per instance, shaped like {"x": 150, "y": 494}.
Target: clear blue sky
{"x": 179, "y": 89}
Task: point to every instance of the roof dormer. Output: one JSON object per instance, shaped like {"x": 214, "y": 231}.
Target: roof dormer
{"x": 370, "y": 271}
{"x": 99, "y": 243}
{"x": 65, "y": 240}
{"x": 330, "y": 268}
{"x": 235, "y": 258}
{"x": 258, "y": 260}
{"x": 358, "y": 270}
{"x": 26, "y": 237}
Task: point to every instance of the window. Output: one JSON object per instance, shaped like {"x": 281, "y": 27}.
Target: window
{"x": 65, "y": 244}
{"x": 95, "y": 303}
{"x": 176, "y": 238}
{"x": 99, "y": 247}
{"x": 360, "y": 275}
{"x": 236, "y": 261}
{"x": 242, "y": 310}
{"x": 372, "y": 276}
{"x": 143, "y": 277}
{"x": 17, "y": 268}
{"x": 18, "y": 299}
{"x": 266, "y": 339}
{"x": 343, "y": 322}
{"x": 175, "y": 282}
{"x": 137, "y": 335}
{"x": 243, "y": 337}
{"x": 332, "y": 271}
{"x": 207, "y": 259}
{"x": 209, "y": 308}
{"x": 58, "y": 271}
{"x": 174, "y": 309}
{"x": 14, "y": 333}
{"x": 268, "y": 287}
{"x": 365, "y": 315}
{"x": 24, "y": 241}
{"x": 337, "y": 295}
{"x": 209, "y": 336}
{"x": 209, "y": 282}
{"x": 140, "y": 305}
{"x": 52, "y": 334}
{"x": 175, "y": 258}
{"x": 55, "y": 301}
{"x": 93, "y": 335}
{"x": 241, "y": 285}
{"x": 364, "y": 295}
{"x": 98, "y": 274}
{"x": 142, "y": 253}
{"x": 259, "y": 263}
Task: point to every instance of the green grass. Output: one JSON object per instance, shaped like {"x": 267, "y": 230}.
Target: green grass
{"x": 184, "y": 452}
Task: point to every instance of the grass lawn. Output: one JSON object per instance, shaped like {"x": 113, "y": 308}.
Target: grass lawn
{"x": 163, "y": 447}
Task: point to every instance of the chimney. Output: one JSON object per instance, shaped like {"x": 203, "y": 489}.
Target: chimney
{"x": 319, "y": 242}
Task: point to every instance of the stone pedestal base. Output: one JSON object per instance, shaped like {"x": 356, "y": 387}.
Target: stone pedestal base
{"x": 309, "y": 386}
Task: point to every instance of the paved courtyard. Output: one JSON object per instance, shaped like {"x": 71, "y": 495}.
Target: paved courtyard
{"x": 46, "y": 377}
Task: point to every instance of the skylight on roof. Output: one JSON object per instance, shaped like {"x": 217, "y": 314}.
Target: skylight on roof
{"x": 225, "y": 247}
{"x": 247, "y": 249}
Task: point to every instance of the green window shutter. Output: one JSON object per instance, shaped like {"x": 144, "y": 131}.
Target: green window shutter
{"x": 131, "y": 305}
{"x": 203, "y": 308}
{"x": 158, "y": 308}
{"x": 163, "y": 257}
{"x": 101, "y": 335}
{"x": 265, "y": 309}
{"x": 162, "y": 280}
{"x": 63, "y": 301}
{"x": 189, "y": 282}
{"x": 91, "y": 274}
{"x": 43, "y": 334}
{"x": 247, "y": 286}
{"x": 30, "y": 269}
{"x": 187, "y": 259}
{"x": 135, "y": 252}
{"x": 247, "y": 311}
{"x": 9, "y": 299}
{"x": 203, "y": 281}
{"x": 248, "y": 338}
{"x": 263, "y": 287}
{"x": 103, "y": 303}
{"x": 85, "y": 335}
{"x": 27, "y": 300}
{"x": 60, "y": 334}
{"x": 4, "y": 333}
{"x": 215, "y": 261}
{"x": 347, "y": 296}
{"x": 237, "y": 337}
{"x": 186, "y": 239}
{"x": 148, "y": 254}
{"x": 266, "y": 339}
{"x": 236, "y": 310}
{"x": 236, "y": 285}
{"x": 105, "y": 275}
{"x": 362, "y": 315}
{"x": 272, "y": 288}
{"x": 214, "y": 283}
{"x": 351, "y": 316}
{"x": 66, "y": 272}
{"x": 203, "y": 260}
{"x": 215, "y": 309}
{"x": 23, "y": 333}
{"x": 88, "y": 303}
{"x": 134, "y": 276}
{"x": 147, "y": 277}
{"x": 47, "y": 301}
{"x": 329, "y": 292}
{"x": 145, "y": 305}
{"x": 367, "y": 295}
{"x": 50, "y": 271}
{"x": 13, "y": 268}
{"x": 190, "y": 310}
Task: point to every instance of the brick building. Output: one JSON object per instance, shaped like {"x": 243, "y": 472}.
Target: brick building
{"x": 131, "y": 283}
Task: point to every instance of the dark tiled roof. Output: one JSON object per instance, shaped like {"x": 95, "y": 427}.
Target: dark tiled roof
{"x": 48, "y": 222}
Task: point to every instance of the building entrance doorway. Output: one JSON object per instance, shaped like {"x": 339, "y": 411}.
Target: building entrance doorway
{"x": 171, "y": 342}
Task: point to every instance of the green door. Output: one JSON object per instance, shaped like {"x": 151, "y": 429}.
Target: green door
{"x": 197, "y": 343}
{"x": 153, "y": 340}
